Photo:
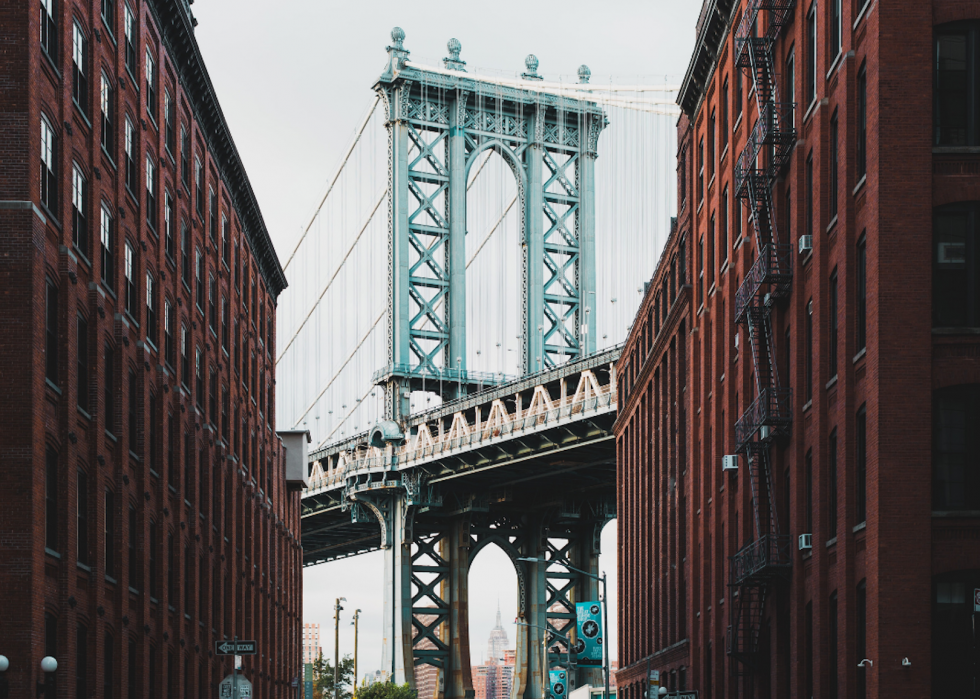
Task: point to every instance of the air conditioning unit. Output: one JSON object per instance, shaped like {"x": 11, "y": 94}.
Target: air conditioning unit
{"x": 729, "y": 462}
{"x": 806, "y": 243}
{"x": 806, "y": 542}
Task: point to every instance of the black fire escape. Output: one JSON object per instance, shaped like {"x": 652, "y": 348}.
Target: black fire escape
{"x": 766, "y": 560}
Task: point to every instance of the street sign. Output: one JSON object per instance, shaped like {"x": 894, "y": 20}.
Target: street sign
{"x": 976, "y": 599}
{"x": 235, "y": 647}
{"x": 226, "y": 690}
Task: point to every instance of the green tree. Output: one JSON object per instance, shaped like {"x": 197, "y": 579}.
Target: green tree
{"x": 323, "y": 678}
{"x": 386, "y": 690}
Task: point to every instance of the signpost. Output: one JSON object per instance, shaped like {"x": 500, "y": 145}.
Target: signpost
{"x": 236, "y": 689}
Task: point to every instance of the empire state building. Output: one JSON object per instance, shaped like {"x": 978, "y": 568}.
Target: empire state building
{"x": 498, "y": 642}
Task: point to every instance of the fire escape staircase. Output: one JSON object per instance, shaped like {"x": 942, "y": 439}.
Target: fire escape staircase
{"x": 766, "y": 560}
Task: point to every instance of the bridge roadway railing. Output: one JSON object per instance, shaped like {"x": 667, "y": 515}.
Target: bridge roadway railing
{"x": 494, "y": 415}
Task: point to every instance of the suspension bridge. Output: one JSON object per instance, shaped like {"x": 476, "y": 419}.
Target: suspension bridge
{"x": 450, "y": 336}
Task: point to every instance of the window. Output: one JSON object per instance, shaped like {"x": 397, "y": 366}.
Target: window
{"x": 956, "y": 448}
{"x": 199, "y": 278}
{"x": 224, "y": 324}
{"x": 808, "y": 364}
{"x": 212, "y": 396}
{"x": 151, "y": 194}
{"x": 737, "y": 95}
{"x": 861, "y": 149}
{"x": 833, "y": 166}
{"x": 168, "y": 224}
{"x": 955, "y": 672}
{"x": 171, "y": 451}
{"x": 808, "y": 492}
{"x": 109, "y": 15}
{"x": 134, "y": 689}
{"x": 957, "y": 65}
{"x": 151, "y": 670}
{"x": 108, "y": 669}
{"x": 711, "y": 252}
{"x": 81, "y": 661}
{"x": 79, "y": 68}
{"x": 682, "y": 179}
{"x": 129, "y": 29}
{"x": 225, "y": 250}
{"x": 168, "y": 333}
{"x": 224, "y": 413}
{"x": 130, "y": 145}
{"x": 130, "y": 274}
{"x": 185, "y": 154}
{"x": 151, "y": 312}
{"x": 701, "y": 270}
{"x": 213, "y": 215}
{"x": 808, "y": 650}
{"x": 81, "y": 518}
{"x": 199, "y": 185}
{"x": 151, "y": 86}
{"x": 809, "y": 193}
{"x": 956, "y": 266}
{"x": 81, "y": 337}
{"x": 134, "y": 405}
{"x": 789, "y": 217}
{"x": 154, "y": 555}
{"x": 834, "y": 29}
{"x": 110, "y": 534}
{"x": 107, "y": 99}
{"x": 79, "y": 226}
{"x": 832, "y": 485}
{"x": 712, "y": 144}
{"x": 108, "y": 244}
{"x": 811, "y": 54}
{"x": 49, "y": 167}
{"x": 185, "y": 363}
{"x": 790, "y": 88}
{"x": 832, "y": 325}
{"x": 51, "y": 331}
{"x": 50, "y": 648}
{"x": 212, "y": 303}
{"x": 153, "y": 437}
{"x": 49, "y": 30}
{"x": 134, "y": 561}
{"x": 861, "y": 310}
{"x": 198, "y": 378}
{"x": 169, "y": 125}
{"x": 861, "y": 623}
{"x": 171, "y": 571}
{"x": 723, "y": 228}
{"x": 51, "y": 499}
{"x": 108, "y": 385}
{"x": 185, "y": 254}
{"x": 701, "y": 169}
{"x": 723, "y": 106}
{"x": 861, "y": 465}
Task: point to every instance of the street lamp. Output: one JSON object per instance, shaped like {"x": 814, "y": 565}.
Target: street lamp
{"x": 544, "y": 652}
{"x": 357, "y": 616}
{"x": 336, "y": 646}
{"x": 48, "y": 666}
{"x": 605, "y": 611}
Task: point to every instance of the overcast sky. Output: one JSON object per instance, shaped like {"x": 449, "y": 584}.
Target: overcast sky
{"x": 294, "y": 79}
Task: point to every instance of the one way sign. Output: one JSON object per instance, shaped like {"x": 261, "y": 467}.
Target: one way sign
{"x": 234, "y": 647}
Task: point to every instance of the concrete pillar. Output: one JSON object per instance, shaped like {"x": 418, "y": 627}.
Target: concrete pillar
{"x": 397, "y": 657}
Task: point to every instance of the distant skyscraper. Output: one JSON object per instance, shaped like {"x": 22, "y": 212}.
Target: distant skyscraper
{"x": 498, "y": 641}
{"x": 311, "y": 642}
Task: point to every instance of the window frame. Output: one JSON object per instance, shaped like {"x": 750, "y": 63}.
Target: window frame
{"x": 79, "y": 68}
{"x": 107, "y": 241}
{"x": 49, "y": 166}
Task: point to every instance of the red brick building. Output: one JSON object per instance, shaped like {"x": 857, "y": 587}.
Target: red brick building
{"x": 816, "y": 313}
{"x": 146, "y": 513}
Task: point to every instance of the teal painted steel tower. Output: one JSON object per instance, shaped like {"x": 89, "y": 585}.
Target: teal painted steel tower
{"x": 439, "y": 122}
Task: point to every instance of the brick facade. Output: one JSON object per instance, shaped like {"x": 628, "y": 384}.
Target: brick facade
{"x": 145, "y": 513}
{"x": 899, "y": 560}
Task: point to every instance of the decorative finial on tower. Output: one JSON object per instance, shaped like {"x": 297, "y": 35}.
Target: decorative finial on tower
{"x": 453, "y": 62}
{"x": 397, "y": 55}
{"x": 398, "y": 36}
{"x": 532, "y": 68}
{"x": 584, "y": 74}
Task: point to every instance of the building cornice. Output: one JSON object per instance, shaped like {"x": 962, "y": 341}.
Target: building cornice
{"x": 177, "y": 28}
{"x": 716, "y": 17}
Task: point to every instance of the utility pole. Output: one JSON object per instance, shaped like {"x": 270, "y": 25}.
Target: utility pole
{"x": 357, "y": 615}
{"x": 336, "y": 647}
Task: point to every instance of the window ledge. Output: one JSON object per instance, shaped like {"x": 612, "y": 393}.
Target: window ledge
{"x": 860, "y": 527}
{"x": 133, "y": 590}
{"x": 52, "y": 553}
{"x": 807, "y": 406}
{"x": 832, "y": 382}
{"x": 860, "y": 355}
{"x": 956, "y": 331}
{"x": 861, "y": 182}
{"x": 861, "y": 14}
{"x": 51, "y": 63}
{"x": 809, "y": 110}
{"x": 833, "y": 65}
{"x": 83, "y": 413}
{"x": 832, "y": 224}
{"x": 111, "y": 436}
{"x": 940, "y": 514}
{"x": 81, "y": 113}
{"x": 831, "y": 542}
{"x": 52, "y": 385}
{"x": 110, "y": 579}
{"x": 82, "y": 566}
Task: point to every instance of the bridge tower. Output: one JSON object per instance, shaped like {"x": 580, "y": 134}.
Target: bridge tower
{"x": 765, "y": 561}
{"x": 439, "y": 122}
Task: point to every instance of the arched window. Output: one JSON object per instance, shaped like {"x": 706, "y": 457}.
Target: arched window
{"x": 956, "y": 448}
{"x": 956, "y": 266}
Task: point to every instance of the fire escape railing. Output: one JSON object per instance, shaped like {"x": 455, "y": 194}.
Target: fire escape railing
{"x": 768, "y": 558}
